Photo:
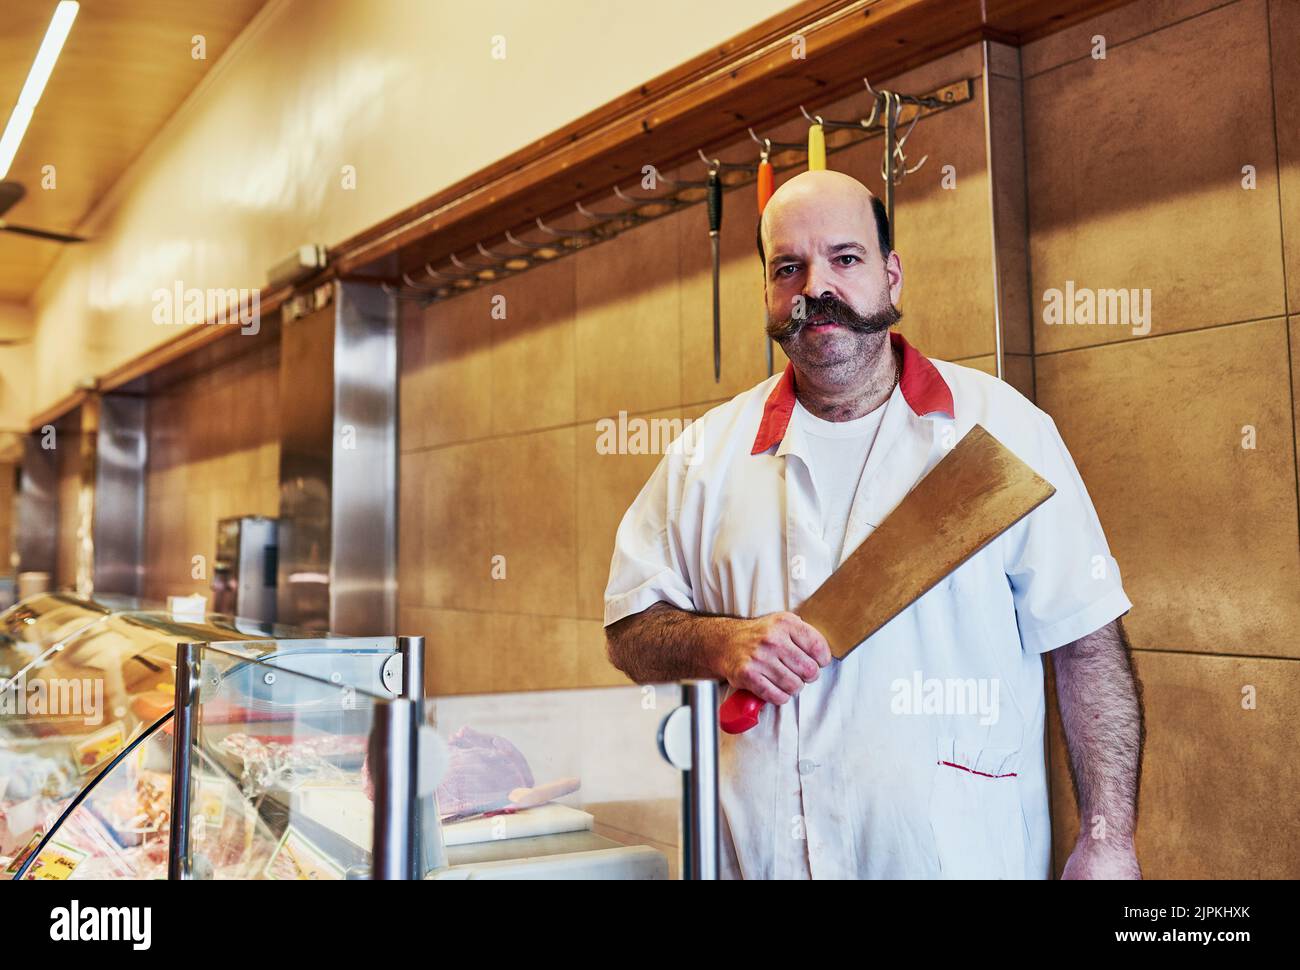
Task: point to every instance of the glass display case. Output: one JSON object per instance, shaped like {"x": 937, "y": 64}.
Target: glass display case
{"x": 31, "y": 628}
{"x": 273, "y": 783}
{"x": 603, "y": 783}
{"x": 286, "y": 758}
{"x": 98, "y": 703}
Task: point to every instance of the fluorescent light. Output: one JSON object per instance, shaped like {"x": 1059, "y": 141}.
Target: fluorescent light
{"x": 64, "y": 14}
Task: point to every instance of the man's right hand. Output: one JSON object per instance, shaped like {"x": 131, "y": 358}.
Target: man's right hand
{"x": 773, "y": 656}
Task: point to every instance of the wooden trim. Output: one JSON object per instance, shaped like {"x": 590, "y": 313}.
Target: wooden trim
{"x": 59, "y": 409}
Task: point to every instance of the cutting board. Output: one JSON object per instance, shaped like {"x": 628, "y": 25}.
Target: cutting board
{"x": 542, "y": 820}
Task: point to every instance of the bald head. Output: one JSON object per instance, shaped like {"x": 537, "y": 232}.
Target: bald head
{"x": 816, "y": 195}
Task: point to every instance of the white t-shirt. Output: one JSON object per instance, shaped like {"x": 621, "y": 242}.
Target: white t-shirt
{"x": 839, "y": 451}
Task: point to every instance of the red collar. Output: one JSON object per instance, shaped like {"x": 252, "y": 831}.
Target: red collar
{"x": 922, "y": 385}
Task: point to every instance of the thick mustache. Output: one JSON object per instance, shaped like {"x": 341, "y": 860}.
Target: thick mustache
{"x": 832, "y": 310}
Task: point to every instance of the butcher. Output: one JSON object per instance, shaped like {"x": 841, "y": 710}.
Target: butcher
{"x": 921, "y": 754}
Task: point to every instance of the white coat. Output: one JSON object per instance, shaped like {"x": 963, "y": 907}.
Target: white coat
{"x": 920, "y": 755}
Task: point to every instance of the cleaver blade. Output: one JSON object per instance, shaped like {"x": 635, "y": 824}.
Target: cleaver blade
{"x": 975, "y": 493}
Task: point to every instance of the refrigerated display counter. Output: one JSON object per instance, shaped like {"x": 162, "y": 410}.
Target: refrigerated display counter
{"x": 321, "y": 759}
{"x": 298, "y": 777}
{"x": 99, "y": 702}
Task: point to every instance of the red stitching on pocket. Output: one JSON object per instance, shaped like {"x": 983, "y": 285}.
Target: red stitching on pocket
{"x": 982, "y": 774}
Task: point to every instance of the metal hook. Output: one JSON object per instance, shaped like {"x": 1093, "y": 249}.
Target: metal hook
{"x": 507, "y": 261}
{"x": 717, "y": 165}
{"x": 670, "y": 202}
{"x": 892, "y": 113}
{"x": 433, "y": 274}
{"x": 563, "y": 233}
{"x": 476, "y": 272}
{"x": 686, "y": 183}
{"x": 525, "y": 244}
{"x": 812, "y": 119}
{"x": 768, "y": 144}
{"x": 596, "y": 216}
{"x": 875, "y": 106}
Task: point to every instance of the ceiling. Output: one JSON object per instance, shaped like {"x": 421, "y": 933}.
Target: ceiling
{"x": 125, "y": 69}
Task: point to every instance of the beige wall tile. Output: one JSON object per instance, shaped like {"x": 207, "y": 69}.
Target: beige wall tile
{"x": 1118, "y": 26}
{"x": 412, "y": 376}
{"x": 213, "y": 452}
{"x": 987, "y": 363}
{"x": 1213, "y": 802}
{"x": 533, "y": 350}
{"x": 449, "y": 397}
{"x": 628, "y": 321}
{"x": 412, "y": 535}
{"x": 455, "y": 547}
{"x": 1294, "y": 327}
{"x": 460, "y": 657}
{"x": 1205, "y": 531}
{"x": 1007, "y": 142}
{"x": 1284, "y": 33}
{"x": 1152, "y": 198}
{"x": 534, "y": 652}
{"x": 594, "y": 668}
{"x": 534, "y": 523}
{"x": 607, "y": 484}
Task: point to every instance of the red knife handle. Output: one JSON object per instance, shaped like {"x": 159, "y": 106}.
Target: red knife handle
{"x": 739, "y": 712}
{"x": 766, "y": 184}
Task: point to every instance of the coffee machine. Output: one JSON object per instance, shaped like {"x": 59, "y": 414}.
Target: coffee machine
{"x": 243, "y": 576}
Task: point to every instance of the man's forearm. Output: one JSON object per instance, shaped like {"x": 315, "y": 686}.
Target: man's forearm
{"x": 663, "y": 643}
{"x": 1101, "y": 712}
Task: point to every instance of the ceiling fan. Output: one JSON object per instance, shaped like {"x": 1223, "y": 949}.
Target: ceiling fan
{"x": 10, "y": 195}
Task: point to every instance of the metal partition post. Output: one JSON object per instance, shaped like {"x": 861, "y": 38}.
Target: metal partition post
{"x": 179, "y": 862}
{"x": 700, "y": 859}
{"x": 393, "y": 751}
{"x": 688, "y": 739}
{"x": 428, "y": 850}
{"x": 412, "y": 651}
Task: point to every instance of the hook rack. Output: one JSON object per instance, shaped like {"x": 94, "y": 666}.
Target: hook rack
{"x": 886, "y": 118}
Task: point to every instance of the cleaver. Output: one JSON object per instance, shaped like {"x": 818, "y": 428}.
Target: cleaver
{"x": 975, "y": 493}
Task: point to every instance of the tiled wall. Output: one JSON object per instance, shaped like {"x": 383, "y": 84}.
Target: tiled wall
{"x": 1135, "y": 180}
{"x": 214, "y": 451}
{"x": 499, "y": 416}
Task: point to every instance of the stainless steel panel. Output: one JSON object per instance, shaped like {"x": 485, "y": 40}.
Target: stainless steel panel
{"x": 338, "y": 465}
{"x": 37, "y": 508}
{"x": 306, "y": 468}
{"x": 118, "y": 460}
{"x": 363, "y": 572}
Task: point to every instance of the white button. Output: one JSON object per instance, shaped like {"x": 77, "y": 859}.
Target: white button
{"x": 807, "y": 766}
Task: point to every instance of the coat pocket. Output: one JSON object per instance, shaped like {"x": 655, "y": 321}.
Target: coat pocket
{"x": 978, "y": 823}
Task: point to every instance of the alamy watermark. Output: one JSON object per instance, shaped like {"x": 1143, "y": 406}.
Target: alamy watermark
{"x": 946, "y": 695}
{"x": 1085, "y": 306}
{"x": 81, "y": 697}
{"x": 191, "y": 306}
{"x": 646, "y": 436}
